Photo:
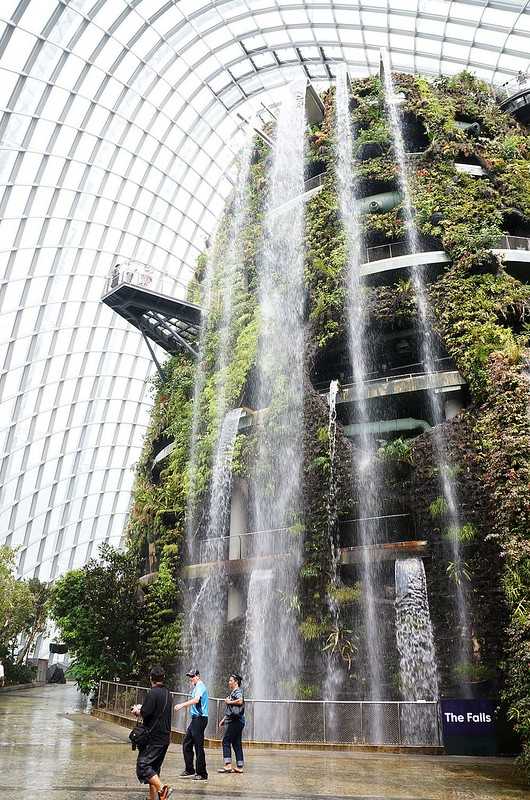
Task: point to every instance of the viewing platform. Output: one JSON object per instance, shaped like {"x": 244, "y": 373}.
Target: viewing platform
{"x": 514, "y": 97}
{"x": 145, "y": 298}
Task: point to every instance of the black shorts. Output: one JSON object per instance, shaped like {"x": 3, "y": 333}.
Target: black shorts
{"x": 150, "y": 760}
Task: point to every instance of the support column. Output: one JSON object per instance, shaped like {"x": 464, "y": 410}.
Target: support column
{"x": 238, "y": 518}
{"x": 453, "y": 405}
{"x": 235, "y": 608}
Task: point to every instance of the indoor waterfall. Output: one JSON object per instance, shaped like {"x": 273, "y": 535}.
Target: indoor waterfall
{"x": 276, "y": 504}
{"x": 334, "y": 675}
{"x": 365, "y": 471}
{"x": 447, "y": 484}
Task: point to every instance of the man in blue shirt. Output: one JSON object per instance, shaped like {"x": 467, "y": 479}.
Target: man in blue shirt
{"x": 194, "y": 738}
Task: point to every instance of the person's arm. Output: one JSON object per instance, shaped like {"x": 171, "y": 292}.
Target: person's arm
{"x": 145, "y": 708}
{"x": 192, "y": 702}
{"x": 238, "y": 702}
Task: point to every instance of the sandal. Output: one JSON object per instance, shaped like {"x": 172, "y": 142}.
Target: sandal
{"x": 224, "y": 770}
{"x": 239, "y": 770}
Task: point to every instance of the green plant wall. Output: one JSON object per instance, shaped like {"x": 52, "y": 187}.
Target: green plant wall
{"x": 481, "y": 313}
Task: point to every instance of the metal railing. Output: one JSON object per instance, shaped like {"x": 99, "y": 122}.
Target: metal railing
{"x": 513, "y": 243}
{"x": 520, "y": 83}
{"x": 278, "y": 541}
{"x": 413, "y": 370}
{"x": 142, "y": 275}
{"x": 382, "y": 529}
{"x": 301, "y": 721}
{"x": 314, "y": 182}
{"x": 395, "y": 249}
{"x": 445, "y": 364}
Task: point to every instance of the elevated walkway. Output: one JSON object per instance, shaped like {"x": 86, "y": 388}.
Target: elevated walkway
{"x": 144, "y": 299}
{"x": 446, "y": 381}
{"x": 387, "y": 263}
{"x": 231, "y": 554}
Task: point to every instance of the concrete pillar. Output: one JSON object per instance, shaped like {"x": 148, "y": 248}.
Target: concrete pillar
{"x": 235, "y": 608}
{"x": 238, "y": 517}
{"x": 453, "y": 405}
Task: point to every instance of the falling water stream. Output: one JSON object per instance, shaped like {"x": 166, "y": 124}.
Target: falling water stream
{"x": 209, "y": 607}
{"x": 276, "y": 489}
{"x": 415, "y": 643}
{"x": 447, "y": 484}
{"x": 419, "y": 676}
{"x": 365, "y": 469}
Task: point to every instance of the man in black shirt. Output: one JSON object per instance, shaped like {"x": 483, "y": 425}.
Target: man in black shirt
{"x": 156, "y": 715}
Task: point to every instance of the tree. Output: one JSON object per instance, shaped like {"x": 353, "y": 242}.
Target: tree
{"x": 17, "y": 602}
{"x": 99, "y": 615}
{"x": 37, "y": 620}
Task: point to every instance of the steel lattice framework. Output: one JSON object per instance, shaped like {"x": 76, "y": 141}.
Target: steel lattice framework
{"x": 119, "y": 124}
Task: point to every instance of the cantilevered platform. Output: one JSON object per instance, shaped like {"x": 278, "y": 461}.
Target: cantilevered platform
{"x": 514, "y": 97}
{"x": 171, "y": 323}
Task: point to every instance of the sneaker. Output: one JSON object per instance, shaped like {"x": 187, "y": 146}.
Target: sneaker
{"x": 166, "y": 792}
{"x": 187, "y": 774}
{"x": 200, "y": 777}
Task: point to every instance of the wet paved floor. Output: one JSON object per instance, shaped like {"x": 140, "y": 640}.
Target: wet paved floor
{"x": 56, "y": 751}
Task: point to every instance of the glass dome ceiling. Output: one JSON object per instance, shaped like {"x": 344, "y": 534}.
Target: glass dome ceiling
{"x": 119, "y": 124}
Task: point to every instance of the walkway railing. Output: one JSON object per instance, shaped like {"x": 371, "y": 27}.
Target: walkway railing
{"x": 142, "y": 275}
{"x": 395, "y": 249}
{"x": 301, "y": 721}
{"x": 246, "y": 545}
{"x": 315, "y": 181}
{"x": 520, "y": 83}
{"x": 513, "y": 243}
{"x": 384, "y": 528}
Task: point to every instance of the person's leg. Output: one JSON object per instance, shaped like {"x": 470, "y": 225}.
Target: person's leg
{"x": 147, "y": 769}
{"x": 156, "y": 788}
{"x": 187, "y": 750}
{"x": 227, "y": 748}
{"x": 199, "y": 726}
{"x": 237, "y": 744}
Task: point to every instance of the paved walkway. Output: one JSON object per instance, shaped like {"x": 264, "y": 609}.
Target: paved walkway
{"x": 58, "y": 752}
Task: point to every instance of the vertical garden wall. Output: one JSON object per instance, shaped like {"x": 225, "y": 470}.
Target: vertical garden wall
{"x": 480, "y": 310}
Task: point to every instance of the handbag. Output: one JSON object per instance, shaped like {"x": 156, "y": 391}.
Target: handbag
{"x": 139, "y": 736}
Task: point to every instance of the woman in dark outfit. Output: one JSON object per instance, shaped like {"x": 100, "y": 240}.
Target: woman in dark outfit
{"x": 155, "y": 712}
{"x": 233, "y": 722}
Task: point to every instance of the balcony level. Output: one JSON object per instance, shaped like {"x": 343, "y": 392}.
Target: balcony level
{"x": 387, "y": 263}
{"x": 447, "y": 380}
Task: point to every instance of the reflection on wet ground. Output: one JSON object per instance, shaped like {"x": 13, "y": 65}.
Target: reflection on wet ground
{"x": 57, "y": 751}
